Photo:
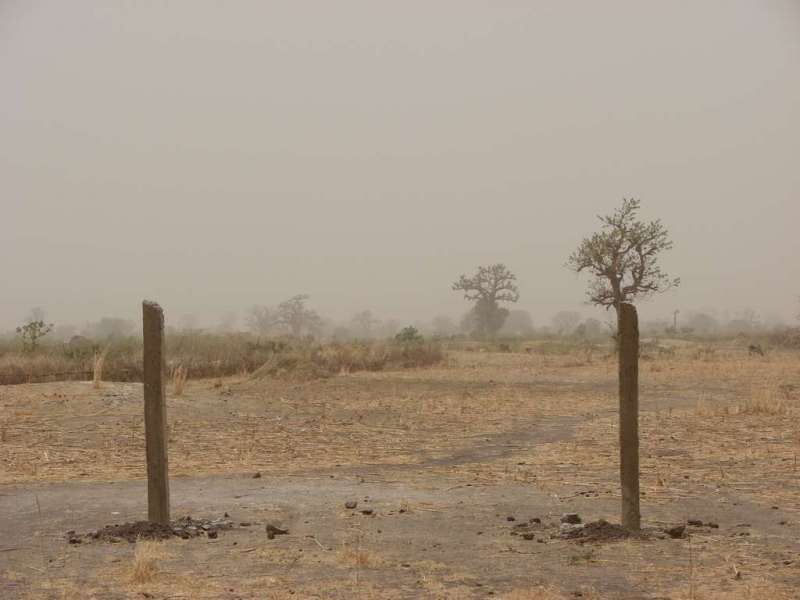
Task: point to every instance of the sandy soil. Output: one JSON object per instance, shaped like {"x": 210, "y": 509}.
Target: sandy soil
{"x": 442, "y": 457}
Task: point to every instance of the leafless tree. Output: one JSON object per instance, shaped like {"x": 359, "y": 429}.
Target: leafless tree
{"x": 297, "y": 317}
{"x": 623, "y": 258}
{"x": 365, "y": 321}
{"x": 443, "y": 325}
{"x": 565, "y": 321}
{"x": 261, "y": 320}
{"x": 487, "y": 288}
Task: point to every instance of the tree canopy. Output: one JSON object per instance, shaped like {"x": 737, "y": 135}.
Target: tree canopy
{"x": 487, "y": 288}
{"x": 623, "y": 258}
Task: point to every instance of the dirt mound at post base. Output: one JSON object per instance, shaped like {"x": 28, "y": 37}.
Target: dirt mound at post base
{"x": 185, "y": 528}
{"x": 597, "y": 531}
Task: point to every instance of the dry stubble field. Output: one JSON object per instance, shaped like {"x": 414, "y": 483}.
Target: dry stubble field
{"x": 440, "y": 458}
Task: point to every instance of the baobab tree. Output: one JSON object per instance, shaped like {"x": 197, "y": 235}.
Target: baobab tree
{"x": 487, "y": 288}
{"x": 623, "y": 258}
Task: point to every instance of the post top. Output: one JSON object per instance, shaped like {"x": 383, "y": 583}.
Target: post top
{"x": 151, "y": 304}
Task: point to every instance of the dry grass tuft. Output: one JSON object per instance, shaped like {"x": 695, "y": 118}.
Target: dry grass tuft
{"x": 764, "y": 401}
{"x": 179, "y": 376}
{"x": 145, "y": 560}
{"x": 97, "y": 368}
{"x": 545, "y": 593}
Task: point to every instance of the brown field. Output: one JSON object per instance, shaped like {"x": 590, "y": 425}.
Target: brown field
{"x": 442, "y": 456}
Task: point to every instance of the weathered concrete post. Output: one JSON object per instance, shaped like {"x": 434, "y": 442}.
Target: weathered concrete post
{"x": 155, "y": 413}
{"x": 629, "y": 415}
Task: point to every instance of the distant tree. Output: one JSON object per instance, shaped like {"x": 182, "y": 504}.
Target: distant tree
{"x": 488, "y": 287}
{"x": 443, "y": 326}
{"x": 109, "y": 327}
{"x": 297, "y": 317}
{"x": 341, "y": 334}
{"x": 623, "y": 258}
{"x": 590, "y": 329}
{"x": 565, "y": 321}
{"x": 388, "y": 328}
{"x": 32, "y": 332}
{"x": 702, "y": 323}
{"x": 747, "y": 321}
{"x": 518, "y": 323}
{"x": 408, "y": 335}
{"x": 261, "y": 320}
{"x": 227, "y": 322}
{"x": 365, "y": 322}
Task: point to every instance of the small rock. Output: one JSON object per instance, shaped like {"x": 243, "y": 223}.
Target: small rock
{"x": 367, "y": 511}
{"x": 713, "y": 525}
{"x": 245, "y": 524}
{"x": 272, "y": 531}
{"x": 571, "y": 518}
{"x": 212, "y": 535}
{"x": 536, "y": 520}
{"x": 528, "y": 536}
{"x": 257, "y": 475}
{"x": 510, "y": 518}
{"x": 570, "y": 528}
{"x": 677, "y": 532}
{"x": 695, "y": 522}
{"x": 351, "y": 504}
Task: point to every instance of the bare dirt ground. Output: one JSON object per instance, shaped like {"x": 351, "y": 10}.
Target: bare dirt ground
{"x": 440, "y": 459}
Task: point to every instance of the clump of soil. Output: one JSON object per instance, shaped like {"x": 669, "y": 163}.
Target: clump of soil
{"x": 185, "y": 527}
{"x": 596, "y": 531}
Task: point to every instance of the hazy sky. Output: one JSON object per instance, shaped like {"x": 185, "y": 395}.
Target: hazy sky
{"x": 213, "y": 155}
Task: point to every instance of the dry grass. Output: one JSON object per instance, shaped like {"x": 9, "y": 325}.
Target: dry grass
{"x": 179, "y": 376}
{"x": 720, "y": 424}
{"x": 97, "y": 368}
{"x": 146, "y": 558}
{"x": 208, "y": 355}
{"x": 547, "y": 593}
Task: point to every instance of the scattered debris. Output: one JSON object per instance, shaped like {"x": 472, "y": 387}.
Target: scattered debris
{"x": 185, "y": 528}
{"x": 272, "y": 531}
{"x": 676, "y": 533}
{"x": 596, "y": 531}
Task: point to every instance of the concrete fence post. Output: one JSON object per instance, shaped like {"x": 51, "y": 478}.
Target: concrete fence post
{"x": 628, "y": 339}
{"x": 155, "y": 413}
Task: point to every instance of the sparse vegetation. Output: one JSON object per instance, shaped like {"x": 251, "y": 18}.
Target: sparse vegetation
{"x": 146, "y": 556}
{"x": 32, "y": 333}
{"x": 623, "y": 258}
{"x": 205, "y": 355}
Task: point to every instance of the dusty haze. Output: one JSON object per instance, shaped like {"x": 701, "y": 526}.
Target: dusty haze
{"x": 217, "y": 155}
